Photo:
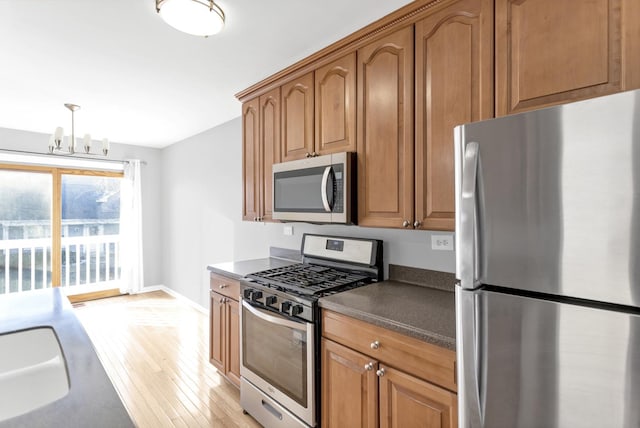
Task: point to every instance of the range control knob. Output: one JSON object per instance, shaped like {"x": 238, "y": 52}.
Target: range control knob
{"x": 247, "y": 293}
{"x": 256, "y": 295}
{"x": 270, "y": 300}
{"x": 295, "y": 310}
{"x": 285, "y": 307}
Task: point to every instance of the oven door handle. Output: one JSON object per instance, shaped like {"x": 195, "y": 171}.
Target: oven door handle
{"x": 264, "y": 315}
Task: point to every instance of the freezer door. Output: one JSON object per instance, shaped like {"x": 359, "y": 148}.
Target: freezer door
{"x": 548, "y": 364}
{"x": 554, "y": 206}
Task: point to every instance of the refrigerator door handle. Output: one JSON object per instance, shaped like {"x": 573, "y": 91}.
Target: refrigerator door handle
{"x": 468, "y": 219}
{"x": 468, "y": 359}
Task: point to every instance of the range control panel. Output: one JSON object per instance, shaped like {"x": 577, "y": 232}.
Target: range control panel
{"x": 279, "y": 302}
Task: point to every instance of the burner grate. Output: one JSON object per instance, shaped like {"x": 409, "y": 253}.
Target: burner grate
{"x": 308, "y": 279}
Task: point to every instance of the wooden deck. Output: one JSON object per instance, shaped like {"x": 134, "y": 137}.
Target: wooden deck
{"x": 155, "y": 350}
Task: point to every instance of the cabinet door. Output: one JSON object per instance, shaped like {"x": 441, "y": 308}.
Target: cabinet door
{"x": 349, "y": 390}
{"x": 233, "y": 341}
{"x": 217, "y": 331}
{"x": 550, "y": 51}
{"x": 407, "y": 402}
{"x": 270, "y": 140}
{"x": 454, "y": 78}
{"x": 385, "y": 131}
{"x": 335, "y": 112}
{"x": 297, "y": 118}
{"x": 251, "y": 160}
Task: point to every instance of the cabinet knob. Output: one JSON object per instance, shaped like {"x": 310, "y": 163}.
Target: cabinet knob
{"x": 375, "y": 344}
{"x": 308, "y": 155}
{"x": 380, "y": 372}
{"x": 221, "y": 286}
{"x": 255, "y": 219}
{"x": 222, "y": 300}
{"x": 368, "y": 367}
{"x": 406, "y": 223}
{"x": 416, "y": 224}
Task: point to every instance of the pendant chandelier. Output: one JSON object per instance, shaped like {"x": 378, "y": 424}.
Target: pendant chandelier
{"x": 56, "y": 140}
{"x": 196, "y": 17}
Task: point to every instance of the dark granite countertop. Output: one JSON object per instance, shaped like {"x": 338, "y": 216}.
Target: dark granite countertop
{"x": 426, "y": 313}
{"x": 92, "y": 400}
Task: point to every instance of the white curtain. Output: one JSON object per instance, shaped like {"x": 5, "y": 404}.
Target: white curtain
{"x": 132, "y": 278}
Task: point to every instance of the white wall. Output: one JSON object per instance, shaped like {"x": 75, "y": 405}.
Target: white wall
{"x": 12, "y": 139}
{"x": 202, "y": 217}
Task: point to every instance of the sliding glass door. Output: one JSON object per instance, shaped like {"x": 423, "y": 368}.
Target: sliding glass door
{"x": 90, "y": 231}
{"x": 25, "y": 230}
{"x": 59, "y": 227}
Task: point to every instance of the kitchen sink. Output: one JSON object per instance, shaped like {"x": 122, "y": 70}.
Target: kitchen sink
{"x": 33, "y": 371}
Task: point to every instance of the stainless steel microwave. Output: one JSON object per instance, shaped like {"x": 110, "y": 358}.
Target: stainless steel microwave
{"x": 317, "y": 190}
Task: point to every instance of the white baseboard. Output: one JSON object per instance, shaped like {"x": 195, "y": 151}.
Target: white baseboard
{"x": 177, "y": 295}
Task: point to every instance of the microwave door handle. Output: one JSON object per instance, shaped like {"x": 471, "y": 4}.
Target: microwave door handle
{"x": 325, "y": 197}
{"x": 273, "y": 319}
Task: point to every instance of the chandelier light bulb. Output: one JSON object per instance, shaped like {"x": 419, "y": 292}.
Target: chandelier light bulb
{"x": 57, "y": 136}
{"x": 86, "y": 142}
{"x": 52, "y": 143}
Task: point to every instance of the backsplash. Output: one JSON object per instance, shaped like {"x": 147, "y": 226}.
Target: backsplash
{"x": 441, "y": 280}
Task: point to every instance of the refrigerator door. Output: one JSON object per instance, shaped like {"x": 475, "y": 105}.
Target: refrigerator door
{"x": 556, "y": 200}
{"x": 548, "y": 364}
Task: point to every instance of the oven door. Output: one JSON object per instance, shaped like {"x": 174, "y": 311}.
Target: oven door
{"x": 277, "y": 356}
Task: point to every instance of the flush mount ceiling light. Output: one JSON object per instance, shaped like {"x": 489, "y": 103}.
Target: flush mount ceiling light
{"x": 55, "y": 141}
{"x": 196, "y": 17}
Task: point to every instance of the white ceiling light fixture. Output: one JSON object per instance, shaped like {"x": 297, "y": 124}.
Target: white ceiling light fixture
{"x": 55, "y": 141}
{"x": 196, "y": 17}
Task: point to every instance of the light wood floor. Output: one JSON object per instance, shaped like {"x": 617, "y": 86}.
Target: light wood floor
{"x": 155, "y": 350}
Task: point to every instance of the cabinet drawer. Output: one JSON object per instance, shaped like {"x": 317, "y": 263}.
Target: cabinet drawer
{"x": 225, "y": 286}
{"x": 424, "y": 360}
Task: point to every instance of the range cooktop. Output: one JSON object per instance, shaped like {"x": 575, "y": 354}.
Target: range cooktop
{"x": 309, "y": 279}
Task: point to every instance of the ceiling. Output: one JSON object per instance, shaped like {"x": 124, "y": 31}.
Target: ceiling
{"x": 142, "y": 82}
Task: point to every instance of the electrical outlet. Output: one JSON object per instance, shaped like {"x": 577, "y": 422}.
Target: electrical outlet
{"x": 288, "y": 230}
{"x": 442, "y": 242}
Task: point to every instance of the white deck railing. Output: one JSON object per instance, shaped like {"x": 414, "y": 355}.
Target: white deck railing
{"x": 86, "y": 260}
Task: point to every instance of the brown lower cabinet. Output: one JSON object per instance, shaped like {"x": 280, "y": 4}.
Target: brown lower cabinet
{"x": 393, "y": 384}
{"x": 224, "y": 325}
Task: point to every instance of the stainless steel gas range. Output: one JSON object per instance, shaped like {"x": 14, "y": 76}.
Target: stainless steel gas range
{"x": 280, "y": 326}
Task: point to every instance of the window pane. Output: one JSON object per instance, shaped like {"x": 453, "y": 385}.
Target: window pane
{"x": 25, "y": 230}
{"x": 90, "y": 229}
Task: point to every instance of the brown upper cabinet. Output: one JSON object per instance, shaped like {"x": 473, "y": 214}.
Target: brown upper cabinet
{"x": 550, "y": 52}
{"x": 251, "y": 159}
{"x": 319, "y": 111}
{"x": 335, "y": 111}
{"x": 394, "y": 90}
{"x": 407, "y": 182}
{"x": 261, "y": 147}
{"x": 297, "y": 118}
{"x": 454, "y": 85}
{"x": 270, "y": 139}
{"x": 385, "y": 130}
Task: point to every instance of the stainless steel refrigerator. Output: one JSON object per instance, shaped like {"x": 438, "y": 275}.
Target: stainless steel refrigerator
{"x": 548, "y": 263}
